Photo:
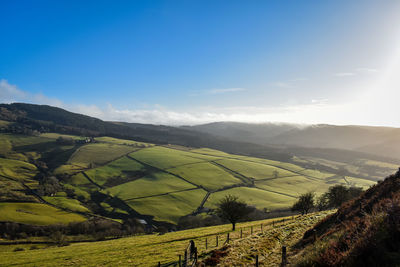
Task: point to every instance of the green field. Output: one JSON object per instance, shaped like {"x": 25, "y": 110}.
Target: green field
{"x": 117, "y": 141}
{"x": 122, "y": 169}
{"x": 254, "y": 196}
{"x": 169, "y": 207}
{"x": 316, "y": 174}
{"x": 166, "y": 158}
{"x": 35, "y": 213}
{"x": 98, "y": 154}
{"x": 66, "y": 203}
{"x": 206, "y": 174}
{"x": 165, "y": 182}
{"x": 254, "y": 170}
{"x": 148, "y": 250}
{"x": 145, "y": 187}
{"x": 294, "y": 185}
{"x": 16, "y": 169}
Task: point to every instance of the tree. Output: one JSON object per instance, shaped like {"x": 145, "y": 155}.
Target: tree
{"x": 232, "y": 209}
{"x": 323, "y": 202}
{"x": 339, "y": 194}
{"x": 305, "y": 203}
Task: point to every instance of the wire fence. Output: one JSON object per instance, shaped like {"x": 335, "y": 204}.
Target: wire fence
{"x": 206, "y": 244}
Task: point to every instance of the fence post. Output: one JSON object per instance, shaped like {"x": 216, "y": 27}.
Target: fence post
{"x": 206, "y": 243}
{"x": 227, "y": 238}
{"x": 241, "y": 232}
{"x": 256, "y": 260}
{"x": 283, "y": 264}
{"x": 159, "y": 264}
{"x": 180, "y": 261}
{"x": 185, "y": 259}
{"x": 216, "y": 243}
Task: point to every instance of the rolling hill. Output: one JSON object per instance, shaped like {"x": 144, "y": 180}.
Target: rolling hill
{"x": 119, "y": 178}
{"x": 87, "y": 168}
{"x": 380, "y": 141}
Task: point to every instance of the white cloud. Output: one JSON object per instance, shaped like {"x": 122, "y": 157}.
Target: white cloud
{"x": 367, "y": 70}
{"x": 10, "y": 93}
{"x": 224, "y": 90}
{"x": 282, "y": 84}
{"x": 373, "y": 107}
{"x": 217, "y": 91}
{"x": 344, "y": 74}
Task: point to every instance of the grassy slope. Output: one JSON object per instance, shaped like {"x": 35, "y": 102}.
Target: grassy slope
{"x": 159, "y": 180}
{"x": 268, "y": 244}
{"x": 145, "y": 250}
{"x": 145, "y": 186}
{"x": 98, "y": 154}
{"x": 363, "y": 232}
{"x": 16, "y": 169}
{"x": 254, "y": 196}
{"x": 67, "y": 203}
{"x": 207, "y": 175}
{"x": 35, "y": 213}
{"x": 169, "y": 207}
{"x": 122, "y": 168}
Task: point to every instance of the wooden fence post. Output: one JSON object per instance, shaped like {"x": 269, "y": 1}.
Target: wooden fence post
{"x": 159, "y": 264}
{"x": 216, "y": 242}
{"x": 241, "y": 233}
{"x": 185, "y": 259}
{"x": 283, "y": 264}
{"x": 180, "y": 261}
{"x": 227, "y": 238}
{"x": 256, "y": 260}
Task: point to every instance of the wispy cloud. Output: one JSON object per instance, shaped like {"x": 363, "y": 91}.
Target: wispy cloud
{"x": 366, "y": 109}
{"x": 282, "y": 84}
{"x": 356, "y": 71}
{"x": 217, "y": 91}
{"x": 344, "y": 74}
{"x": 224, "y": 90}
{"x": 11, "y": 93}
{"x": 367, "y": 70}
{"x": 319, "y": 101}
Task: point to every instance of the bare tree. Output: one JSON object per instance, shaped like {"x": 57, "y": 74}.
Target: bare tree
{"x": 232, "y": 209}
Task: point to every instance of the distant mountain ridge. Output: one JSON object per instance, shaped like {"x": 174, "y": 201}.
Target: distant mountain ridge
{"x": 280, "y": 141}
{"x": 382, "y": 141}
{"x": 46, "y": 118}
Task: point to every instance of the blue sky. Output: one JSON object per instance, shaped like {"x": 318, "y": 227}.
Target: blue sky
{"x": 188, "y": 62}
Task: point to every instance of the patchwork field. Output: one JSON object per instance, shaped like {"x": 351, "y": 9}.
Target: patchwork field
{"x": 165, "y": 182}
